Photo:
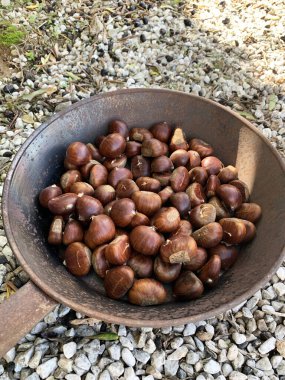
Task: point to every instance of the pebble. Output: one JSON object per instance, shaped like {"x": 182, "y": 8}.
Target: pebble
{"x": 65, "y": 364}
{"x": 116, "y": 369}
{"x": 141, "y": 356}
{"x": 105, "y": 375}
{"x": 33, "y": 376}
{"x": 47, "y": 368}
{"x": 81, "y": 361}
{"x": 128, "y": 357}
{"x": 129, "y": 374}
{"x": 3, "y": 241}
{"x": 264, "y": 364}
{"x": 279, "y": 288}
{"x": 178, "y": 354}
{"x": 280, "y": 346}
{"x": 150, "y": 346}
{"x": 171, "y": 367}
{"x": 190, "y": 329}
{"x": 267, "y": 346}
{"x": 69, "y": 349}
{"x": 10, "y": 355}
{"x": 238, "y": 338}
{"x": 235, "y": 375}
{"x": 212, "y": 367}
{"x": 232, "y": 352}
{"x": 115, "y": 351}
{"x": 192, "y": 357}
{"x": 23, "y": 358}
{"x": 176, "y": 342}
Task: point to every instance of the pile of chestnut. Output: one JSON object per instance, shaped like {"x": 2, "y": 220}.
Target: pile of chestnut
{"x": 145, "y": 208}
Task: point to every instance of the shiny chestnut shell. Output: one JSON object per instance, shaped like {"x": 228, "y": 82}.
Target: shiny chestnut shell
{"x": 101, "y": 230}
{"x": 249, "y": 211}
{"x": 122, "y": 212}
{"x": 181, "y": 202}
{"x": 112, "y": 146}
{"x": 117, "y": 174}
{"x": 161, "y": 131}
{"x": 105, "y": 194}
{"x": 210, "y": 272}
{"x": 87, "y": 206}
{"x": 146, "y": 202}
{"x": 204, "y": 149}
{"x": 133, "y": 148}
{"x": 148, "y": 184}
{"x": 73, "y": 232}
{"x": 146, "y": 292}
{"x": 68, "y": 179}
{"x": 99, "y": 262}
{"x": 118, "y": 251}
{"x": 118, "y": 126}
{"x": 78, "y": 153}
{"x": 63, "y": 204}
{"x": 161, "y": 164}
{"x": 78, "y": 259}
{"x": 145, "y": 240}
{"x": 166, "y": 220}
{"x": 188, "y": 287}
{"x": 125, "y": 188}
{"x": 48, "y": 193}
{"x": 142, "y": 265}
{"x": 179, "y": 157}
{"x": 208, "y": 236}
{"x": 140, "y": 167}
{"x": 179, "y": 179}
{"x": 234, "y": 230}
{"x": 166, "y": 272}
{"x": 197, "y": 260}
{"x": 228, "y": 254}
{"x": 118, "y": 281}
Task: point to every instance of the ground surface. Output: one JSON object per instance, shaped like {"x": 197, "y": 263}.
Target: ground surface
{"x": 232, "y": 52}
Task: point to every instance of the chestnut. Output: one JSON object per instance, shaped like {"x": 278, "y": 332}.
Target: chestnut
{"x": 178, "y": 140}
{"x": 82, "y": 188}
{"x": 165, "y": 194}
{"x": 99, "y": 262}
{"x": 98, "y": 176}
{"x": 181, "y": 202}
{"x": 198, "y": 260}
{"x": 140, "y": 167}
{"x": 78, "y": 154}
{"x": 221, "y": 211}
{"x": 163, "y": 178}
{"x": 208, "y": 236}
{"x": 234, "y": 230}
{"x": 125, "y": 188}
{"x": 249, "y": 211}
{"x": 95, "y": 155}
{"x": 98, "y": 140}
{"x": 63, "y": 204}
{"x": 55, "y": 231}
{"x": 250, "y": 231}
{"x": 148, "y": 184}
{"x": 108, "y": 207}
{"x": 161, "y": 164}
{"x": 140, "y": 134}
{"x": 118, "y": 251}
{"x": 166, "y": 220}
{"x": 228, "y": 174}
{"x": 118, "y": 281}
{"x": 86, "y": 169}
{"x": 230, "y": 196}
{"x": 146, "y": 292}
{"x": 194, "y": 159}
{"x": 118, "y": 126}
{"x": 243, "y": 188}
{"x": 228, "y": 254}
{"x": 213, "y": 183}
{"x": 49, "y": 193}
{"x": 161, "y": 131}
{"x": 145, "y": 240}
{"x": 204, "y": 149}
{"x": 210, "y": 272}
{"x": 179, "y": 249}
{"x": 68, "y": 179}
{"x": 101, "y": 230}
{"x": 166, "y": 272}
{"x": 133, "y": 148}
{"x": 196, "y": 194}
{"x": 112, "y": 146}
{"x": 105, "y": 194}
{"x": 153, "y": 148}
{"x": 87, "y": 206}
{"x": 117, "y": 174}
{"x": 202, "y": 215}
{"x": 139, "y": 219}
{"x": 184, "y": 229}
{"x": 179, "y": 157}
{"x": 78, "y": 259}
{"x": 212, "y": 164}
{"x": 122, "y": 212}
{"x": 73, "y": 232}
{"x": 199, "y": 175}
{"x": 118, "y": 162}
{"x": 179, "y": 179}
{"x": 67, "y": 165}
{"x": 146, "y": 202}
{"x": 188, "y": 287}
{"x": 142, "y": 265}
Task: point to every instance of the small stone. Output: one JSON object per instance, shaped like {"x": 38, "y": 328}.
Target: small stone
{"x": 105, "y": 375}
{"x": 178, "y": 329}
{"x": 116, "y": 369}
{"x": 212, "y": 367}
{"x": 3, "y": 241}
{"x": 187, "y": 368}
{"x": 178, "y": 354}
{"x": 264, "y": 364}
{"x": 232, "y": 352}
{"x": 281, "y": 273}
{"x": 9, "y": 88}
{"x": 227, "y": 369}
{"x": 275, "y": 361}
{"x": 128, "y": 357}
{"x": 129, "y": 374}
{"x": 280, "y": 346}
{"x": 82, "y": 362}
{"x": 125, "y": 342}
{"x": 149, "y": 377}
{"x": 171, "y": 367}
{"x": 23, "y": 358}
{"x": 10, "y": 355}
{"x": 69, "y": 349}
{"x": 47, "y": 368}
{"x": 122, "y": 331}
{"x": 114, "y": 351}
{"x": 158, "y": 359}
{"x": 235, "y": 375}
{"x": 238, "y": 338}
{"x": 176, "y": 342}
{"x": 192, "y": 357}
{"x": 91, "y": 376}
{"x": 238, "y": 361}
{"x": 39, "y": 328}
{"x": 267, "y": 346}
{"x": 141, "y": 356}
{"x": 104, "y": 362}
{"x": 35, "y": 360}
{"x": 72, "y": 376}
{"x": 279, "y": 288}
{"x": 150, "y": 370}
{"x": 65, "y": 364}
{"x": 33, "y": 376}
{"x": 150, "y": 346}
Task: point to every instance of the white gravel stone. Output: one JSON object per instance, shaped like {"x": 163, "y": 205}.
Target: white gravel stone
{"x": 35, "y": 360}
{"x": 276, "y": 360}
{"x": 150, "y": 346}
{"x": 267, "y": 346}
{"x": 81, "y": 361}
{"x": 91, "y": 376}
{"x": 176, "y": 342}
{"x": 178, "y": 354}
{"x": 279, "y": 288}
{"x": 23, "y": 358}
{"x": 33, "y": 376}
{"x": 47, "y": 368}
{"x": 281, "y": 273}
{"x": 116, "y": 369}
{"x": 190, "y": 329}
{"x": 105, "y": 375}
{"x": 238, "y": 338}
{"x": 129, "y": 374}
{"x": 128, "y": 357}
{"x": 232, "y": 352}
{"x": 69, "y": 349}
{"x": 72, "y": 376}
{"x": 227, "y": 369}
{"x": 114, "y": 351}
{"x": 10, "y": 355}
{"x": 141, "y": 356}
{"x": 158, "y": 359}
{"x": 125, "y": 342}
{"x": 171, "y": 367}
{"x": 3, "y": 241}
{"x": 65, "y": 364}
{"x": 212, "y": 367}
{"x": 192, "y": 357}
{"x": 235, "y": 375}
{"x": 264, "y": 364}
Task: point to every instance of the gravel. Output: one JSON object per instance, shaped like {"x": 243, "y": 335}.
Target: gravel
{"x": 231, "y": 52}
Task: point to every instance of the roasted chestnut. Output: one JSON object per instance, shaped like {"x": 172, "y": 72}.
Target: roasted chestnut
{"x": 165, "y": 194}
{"x": 140, "y": 134}
{"x": 98, "y": 176}
{"x": 228, "y": 254}
{"x": 140, "y": 167}
{"x": 153, "y": 148}
{"x": 184, "y": 229}
{"x": 196, "y": 194}
{"x": 212, "y": 164}
{"x": 230, "y": 196}
{"x": 87, "y": 206}
{"x": 243, "y": 188}
{"x": 118, "y": 126}
{"x": 112, "y": 163}
{"x": 82, "y": 188}
{"x": 210, "y": 272}
{"x": 221, "y": 211}
{"x": 68, "y": 179}
{"x": 198, "y": 260}
{"x": 133, "y": 148}
{"x": 117, "y": 174}
{"x": 63, "y": 204}
{"x": 194, "y": 159}
{"x": 148, "y": 184}
{"x": 228, "y": 174}
{"x": 234, "y": 230}
{"x": 179, "y": 157}
{"x": 250, "y": 231}
{"x": 139, "y": 219}
{"x": 161, "y": 164}
{"x": 95, "y": 155}
{"x": 125, "y": 188}
{"x": 163, "y": 178}
{"x": 213, "y": 183}
{"x": 179, "y": 249}
{"x": 199, "y": 175}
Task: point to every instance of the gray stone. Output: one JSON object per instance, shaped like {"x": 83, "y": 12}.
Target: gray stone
{"x": 190, "y": 329}
{"x": 125, "y": 342}
{"x": 116, "y": 369}
{"x": 33, "y": 376}
{"x": 267, "y": 346}
{"x": 150, "y": 370}
{"x": 264, "y": 364}
{"x": 35, "y": 360}
{"x": 178, "y": 354}
{"x": 192, "y": 357}
{"x": 176, "y": 342}
{"x": 69, "y": 349}
{"x": 103, "y": 362}
{"x": 189, "y": 370}
{"x": 114, "y": 351}
{"x": 122, "y": 331}
{"x": 10, "y": 355}
{"x": 158, "y": 359}
{"x": 105, "y": 375}
{"x": 47, "y": 368}
{"x": 81, "y": 361}
{"x": 150, "y": 346}
{"x": 279, "y": 288}
{"x": 141, "y": 356}
{"x": 238, "y": 361}
{"x": 212, "y": 367}
{"x": 235, "y": 375}
{"x": 39, "y": 328}
{"x": 276, "y": 360}
{"x": 281, "y": 273}
{"x": 171, "y": 367}
{"x": 129, "y": 374}
{"x": 128, "y": 357}
{"x": 23, "y": 358}
{"x": 227, "y": 369}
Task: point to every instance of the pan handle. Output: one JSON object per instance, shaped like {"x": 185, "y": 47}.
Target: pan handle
{"x": 20, "y": 313}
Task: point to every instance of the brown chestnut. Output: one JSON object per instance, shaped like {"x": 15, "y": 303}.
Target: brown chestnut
{"x": 87, "y": 206}
{"x": 95, "y": 155}
{"x": 125, "y": 188}
{"x": 122, "y": 212}
{"x": 153, "y": 148}
{"x": 161, "y": 131}
{"x": 118, "y": 281}
{"x": 118, "y": 251}
{"x": 228, "y": 254}
{"x": 165, "y": 194}
{"x": 139, "y": 219}
{"x": 228, "y": 174}
{"x": 145, "y": 240}
{"x": 196, "y": 194}
{"x": 101, "y": 230}
{"x": 202, "y": 215}
{"x": 67, "y": 165}
{"x": 179, "y": 179}
{"x": 82, "y": 188}
{"x": 140, "y": 167}
{"x": 188, "y": 287}
{"x": 78, "y": 259}
{"x": 230, "y": 196}
{"x": 234, "y": 230}
{"x": 210, "y": 272}
{"x": 221, "y": 211}
{"x": 146, "y": 202}
{"x": 68, "y": 179}
{"x": 49, "y": 193}
{"x": 166, "y": 272}
{"x": 148, "y": 184}
{"x": 204, "y": 149}
{"x": 118, "y": 162}
{"x": 86, "y": 169}
{"x": 118, "y": 126}
{"x": 198, "y": 260}
{"x": 117, "y": 174}
{"x": 250, "y": 231}
{"x": 213, "y": 183}
{"x": 212, "y": 164}
{"x": 179, "y": 157}
{"x": 99, "y": 139}
{"x": 98, "y": 176}
{"x": 199, "y": 175}
{"x": 249, "y": 211}
{"x": 63, "y": 204}
{"x": 142, "y": 265}
{"x": 105, "y": 194}
{"x": 194, "y": 159}
{"x": 112, "y": 146}
{"x": 184, "y": 229}
{"x": 163, "y": 178}
{"x": 161, "y": 164}
{"x": 181, "y": 202}
{"x": 208, "y": 236}
{"x": 78, "y": 154}
{"x": 179, "y": 249}
{"x": 243, "y": 188}
{"x": 140, "y": 134}
{"x": 146, "y": 292}
{"x": 73, "y": 232}
{"x": 108, "y": 207}
{"x": 55, "y": 231}
{"x": 133, "y": 148}
{"x": 166, "y": 220}
{"x": 178, "y": 140}
{"x": 99, "y": 262}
